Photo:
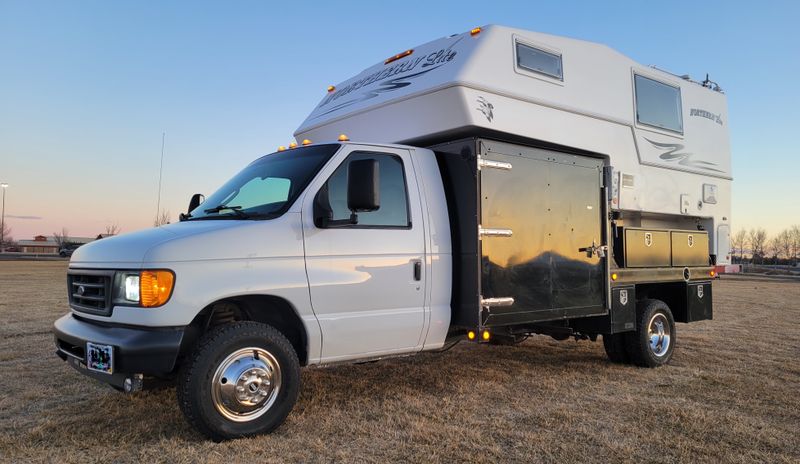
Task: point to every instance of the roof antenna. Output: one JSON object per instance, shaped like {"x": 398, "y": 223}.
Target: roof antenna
{"x": 160, "y": 171}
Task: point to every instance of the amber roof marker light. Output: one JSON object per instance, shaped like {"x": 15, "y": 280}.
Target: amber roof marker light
{"x": 331, "y": 88}
{"x": 343, "y": 138}
{"x": 475, "y": 31}
{"x": 399, "y": 56}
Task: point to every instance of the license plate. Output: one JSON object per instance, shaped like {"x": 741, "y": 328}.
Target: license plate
{"x": 100, "y": 358}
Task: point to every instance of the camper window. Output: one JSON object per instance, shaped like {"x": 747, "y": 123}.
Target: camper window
{"x": 658, "y": 104}
{"x": 539, "y": 61}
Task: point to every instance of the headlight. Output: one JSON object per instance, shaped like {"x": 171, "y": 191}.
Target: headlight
{"x": 149, "y": 288}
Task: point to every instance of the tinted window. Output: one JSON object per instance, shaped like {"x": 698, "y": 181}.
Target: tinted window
{"x": 539, "y": 61}
{"x": 658, "y": 104}
{"x": 393, "y": 211}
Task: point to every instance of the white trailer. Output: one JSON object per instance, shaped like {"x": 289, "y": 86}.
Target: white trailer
{"x": 490, "y": 185}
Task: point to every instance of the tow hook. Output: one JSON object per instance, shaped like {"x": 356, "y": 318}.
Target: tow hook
{"x": 134, "y": 383}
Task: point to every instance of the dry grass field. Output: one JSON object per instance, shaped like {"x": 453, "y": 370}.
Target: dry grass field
{"x": 731, "y": 394}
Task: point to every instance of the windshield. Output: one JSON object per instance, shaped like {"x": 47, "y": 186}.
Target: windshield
{"x": 267, "y": 187}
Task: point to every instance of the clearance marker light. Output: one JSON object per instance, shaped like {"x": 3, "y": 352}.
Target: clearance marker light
{"x": 712, "y": 273}
{"x": 281, "y": 148}
{"x": 292, "y": 145}
{"x": 614, "y": 276}
{"x": 471, "y": 335}
{"x": 486, "y": 335}
{"x": 306, "y": 142}
{"x": 343, "y": 138}
{"x": 398, "y": 56}
{"x": 331, "y": 88}
{"x": 475, "y": 31}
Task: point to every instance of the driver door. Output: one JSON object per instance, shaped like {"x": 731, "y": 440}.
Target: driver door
{"x": 367, "y": 280}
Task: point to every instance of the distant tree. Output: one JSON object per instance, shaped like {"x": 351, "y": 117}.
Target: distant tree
{"x": 112, "y": 229}
{"x": 758, "y": 240}
{"x": 772, "y": 250}
{"x": 61, "y": 238}
{"x": 794, "y": 243}
{"x": 162, "y": 218}
{"x": 783, "y": 244}
{"x": 739, "y": 240}
{"x": 6, "y": 239}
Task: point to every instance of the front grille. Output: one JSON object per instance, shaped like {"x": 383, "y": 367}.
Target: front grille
{"x": 90, "y": 291}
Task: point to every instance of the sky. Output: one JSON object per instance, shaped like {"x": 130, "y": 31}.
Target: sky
{"x": 88, "y": 88}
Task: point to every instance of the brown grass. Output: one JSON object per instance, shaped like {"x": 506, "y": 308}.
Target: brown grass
{"x": 730, "y": 394}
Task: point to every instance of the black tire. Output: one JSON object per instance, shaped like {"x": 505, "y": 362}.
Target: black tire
{"x": 615, "y": 348}
{"x": 637, "y": 343}
{"x": 194, "y": 387}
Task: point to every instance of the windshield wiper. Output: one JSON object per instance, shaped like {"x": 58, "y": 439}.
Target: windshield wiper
{"x": 237, "y": 210}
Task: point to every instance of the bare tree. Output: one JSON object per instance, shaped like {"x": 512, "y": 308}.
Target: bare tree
{"x": 5, "y": 238}
{"x": 758, "y": 239}
{"x": 62, "y": 238}
{"x": 773, "y": 249}
{"x": 162, "y": 218}
{"x": 112, "y": 229}
{"x": 739, "y": 240}
{"x": 794, "y": 243}
{"x": 783, "y": 244}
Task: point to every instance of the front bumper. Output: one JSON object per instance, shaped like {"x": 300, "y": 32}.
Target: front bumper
{"x": 140, "y": 350}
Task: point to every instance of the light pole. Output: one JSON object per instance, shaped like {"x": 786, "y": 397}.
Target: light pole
{"x": 3, "y": 220}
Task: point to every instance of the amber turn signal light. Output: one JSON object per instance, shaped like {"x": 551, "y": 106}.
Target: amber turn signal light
{"x": 155, "y": 287}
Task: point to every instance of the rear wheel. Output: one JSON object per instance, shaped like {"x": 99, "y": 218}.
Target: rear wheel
{"x": 243, "y": 379}
{"x": 615, "y": 348}
{"x": 653, "y": 342}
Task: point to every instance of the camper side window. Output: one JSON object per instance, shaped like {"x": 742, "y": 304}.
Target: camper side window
{"x": 658, "y": 104}
{"x": 539, "y": 61}
{"x": 393, "y": 210}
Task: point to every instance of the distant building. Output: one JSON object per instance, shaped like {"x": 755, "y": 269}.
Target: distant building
{"x": 39, "y": 244}
{"x": 47, "y": 245}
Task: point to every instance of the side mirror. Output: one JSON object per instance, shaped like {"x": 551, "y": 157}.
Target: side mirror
{"x": 363, "y": 186}
{"x": 197, "y": 198}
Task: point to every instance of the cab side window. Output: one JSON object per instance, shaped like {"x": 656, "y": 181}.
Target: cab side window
{"x": 393, "y": 210}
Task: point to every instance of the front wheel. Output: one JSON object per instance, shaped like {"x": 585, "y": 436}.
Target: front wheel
{"x": 653, "y": 342}
{"x": 242, "y": 379}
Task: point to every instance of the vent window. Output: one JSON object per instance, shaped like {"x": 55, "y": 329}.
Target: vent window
{"x": 658, "y": 104}
{"x": 539, "y": 61}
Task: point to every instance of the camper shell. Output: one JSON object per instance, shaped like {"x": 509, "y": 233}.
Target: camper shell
{"x": 548, "y": 145}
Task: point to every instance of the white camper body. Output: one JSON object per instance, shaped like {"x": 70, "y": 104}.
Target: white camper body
{"x": 466, "y": 83}
{"x": 495, "y": 184}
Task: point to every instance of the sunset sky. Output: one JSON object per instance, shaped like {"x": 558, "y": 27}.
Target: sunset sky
{"x": 87, "y": 88}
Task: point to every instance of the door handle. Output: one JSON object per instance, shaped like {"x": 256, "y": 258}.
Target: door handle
{"x": 595, "y": 249}
{"x": 417, "y": 270}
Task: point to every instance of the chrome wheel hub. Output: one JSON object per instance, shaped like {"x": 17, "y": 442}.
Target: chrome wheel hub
{"x": 246, "y": 384}
{"x": 659, "y": 335}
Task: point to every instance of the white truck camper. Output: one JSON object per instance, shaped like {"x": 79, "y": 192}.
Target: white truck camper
{"x": 484, "y": 186}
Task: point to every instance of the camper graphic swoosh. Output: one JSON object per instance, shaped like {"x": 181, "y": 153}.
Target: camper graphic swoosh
{"x": 386, "y": 86}
{"x": 684, "y": 159}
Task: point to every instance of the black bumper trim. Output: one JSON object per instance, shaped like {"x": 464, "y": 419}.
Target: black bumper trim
{"x": 136, "y": 350}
